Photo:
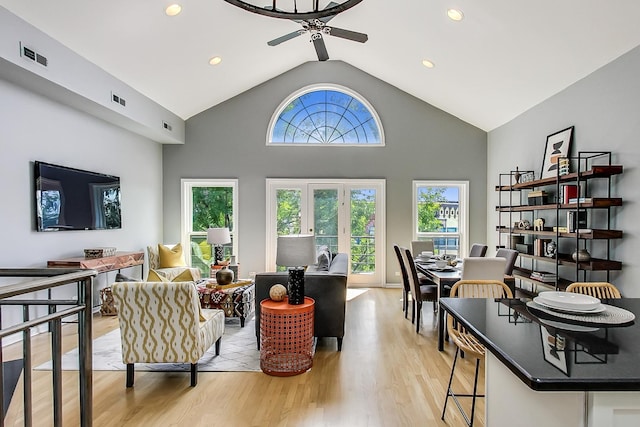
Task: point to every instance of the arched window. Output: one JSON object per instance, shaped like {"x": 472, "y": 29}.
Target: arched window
{"x": 325, "y": 115}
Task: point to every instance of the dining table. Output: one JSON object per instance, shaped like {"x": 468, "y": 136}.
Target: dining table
{"x": 445, "y": 278}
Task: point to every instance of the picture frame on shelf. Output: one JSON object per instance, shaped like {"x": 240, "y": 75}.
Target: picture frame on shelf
{"x": 553, "y": 346}
{"x": 558, "y": 146}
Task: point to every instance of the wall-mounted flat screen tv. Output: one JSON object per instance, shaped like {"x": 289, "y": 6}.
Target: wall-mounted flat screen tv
{"x": 75, "y": 199}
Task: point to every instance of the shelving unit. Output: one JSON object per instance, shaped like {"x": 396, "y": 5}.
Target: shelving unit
{"x": 595, "y": 183}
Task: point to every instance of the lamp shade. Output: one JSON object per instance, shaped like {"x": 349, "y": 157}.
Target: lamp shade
{"x": 296, "y": 250}
{"x": 218, "y": 236}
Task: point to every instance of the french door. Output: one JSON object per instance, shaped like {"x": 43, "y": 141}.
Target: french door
{"x": 344, "y": 215}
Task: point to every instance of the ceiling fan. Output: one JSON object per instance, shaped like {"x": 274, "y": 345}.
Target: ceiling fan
{"x": 317, "y": 29}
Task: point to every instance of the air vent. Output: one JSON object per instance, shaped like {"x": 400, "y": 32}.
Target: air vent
{"x": 167, "y": 126}
{"x": 41, "y": 60}
{"x": 32, "y": 55}
{"x": 118, "y": 99}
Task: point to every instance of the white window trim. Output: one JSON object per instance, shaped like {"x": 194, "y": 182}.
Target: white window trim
{"x": 463, "y": 214}
{"x": 186, "y": 185}
{"x": 313, "y": 88}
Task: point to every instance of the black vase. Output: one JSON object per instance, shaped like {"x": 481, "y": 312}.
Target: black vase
{"x": 224, "y": 276}
{"x": 296, "y": 285}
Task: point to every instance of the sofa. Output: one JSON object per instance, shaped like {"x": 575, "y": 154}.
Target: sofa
{"x": 329, "y": 290}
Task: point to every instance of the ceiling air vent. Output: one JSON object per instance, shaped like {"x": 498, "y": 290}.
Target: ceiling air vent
{"x": 32, "y": 55}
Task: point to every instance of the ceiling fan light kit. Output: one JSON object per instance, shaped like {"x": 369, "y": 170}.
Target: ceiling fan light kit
{"x": 313, "y": 21}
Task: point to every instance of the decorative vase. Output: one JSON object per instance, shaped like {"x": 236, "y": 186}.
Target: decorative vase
{"x": 224, "y": 276}
{"x": 581, "y": 255}
{"x": 296, "y": 285}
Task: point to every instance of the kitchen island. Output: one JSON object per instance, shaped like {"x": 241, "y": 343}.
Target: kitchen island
{"x": 542, "y": 370}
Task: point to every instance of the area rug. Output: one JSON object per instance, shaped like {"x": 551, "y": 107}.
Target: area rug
{"x": 238, "y": 353}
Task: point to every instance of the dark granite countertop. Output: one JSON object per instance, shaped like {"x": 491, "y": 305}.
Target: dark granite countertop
{"x": 584, "y": 357}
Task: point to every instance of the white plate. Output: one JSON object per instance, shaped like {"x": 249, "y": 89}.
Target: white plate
{"x": 569, "y": 300}
{"x": 445, "y": 269}
{"x": 567, "y": 326}
{"x": 598, "y": 309}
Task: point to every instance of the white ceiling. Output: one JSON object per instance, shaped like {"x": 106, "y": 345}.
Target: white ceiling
{"x": 505, "y": 57}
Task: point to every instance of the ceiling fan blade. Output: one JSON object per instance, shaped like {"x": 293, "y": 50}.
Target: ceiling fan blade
{"x": 321, "y": 49}
{"x": 284, "y": 38}
{"x": 349, "y": 35}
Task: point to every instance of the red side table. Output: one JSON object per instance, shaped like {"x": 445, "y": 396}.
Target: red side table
{"x": 286, "y": 337}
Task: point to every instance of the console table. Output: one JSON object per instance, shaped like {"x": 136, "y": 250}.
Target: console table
{"x": 110, "y": 263}
{"x": 102, "y": 265}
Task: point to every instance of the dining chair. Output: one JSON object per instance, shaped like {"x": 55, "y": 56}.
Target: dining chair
{"x": 419, "y": 292}
{"x": 466, "y": 342}
{"x": 406, "y": 289}
{"x": 478, "y": 250}
{"x": 602, "y": 290}
{"x": 511, "y": 255}
{"x": 483, "y": 269}
{"x": 419, "y": 246}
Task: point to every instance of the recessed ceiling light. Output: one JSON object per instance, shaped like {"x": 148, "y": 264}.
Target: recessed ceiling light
{"x": 173, "y": 10}
{"x": 455, "y": 14}
{"x": 215, "y": 60}
{"x": 428, "y": 63}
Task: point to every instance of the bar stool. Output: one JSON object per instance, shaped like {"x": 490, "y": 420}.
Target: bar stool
{"x": 466, "y": 342}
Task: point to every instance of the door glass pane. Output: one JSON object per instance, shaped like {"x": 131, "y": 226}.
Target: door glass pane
{"x": 288, "y": 205}
{"x": 325, "y": 218}
{"x": 363, "y": 226}
{"x": 438, "y": 212}
{"x": 211, "y": 207}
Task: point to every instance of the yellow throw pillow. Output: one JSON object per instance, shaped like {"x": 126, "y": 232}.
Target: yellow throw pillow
{"x": 171, "y": 257}
{"x": 185, "y": 276}
{"x": 153, "y": 276}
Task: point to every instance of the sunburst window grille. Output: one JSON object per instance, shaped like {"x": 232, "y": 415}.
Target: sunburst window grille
{"x": 326, "y": 116}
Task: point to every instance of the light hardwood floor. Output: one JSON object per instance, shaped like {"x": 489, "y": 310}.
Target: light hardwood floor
{"x": 386, "y": 375}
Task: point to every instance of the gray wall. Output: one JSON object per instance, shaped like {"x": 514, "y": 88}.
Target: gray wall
{"x": 604, "y": 107}
{"x": 36, "y": 128}
{"x": 422, "y": 142}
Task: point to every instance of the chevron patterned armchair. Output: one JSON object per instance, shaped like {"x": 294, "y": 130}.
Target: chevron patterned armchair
{"x": 162, "y": 322}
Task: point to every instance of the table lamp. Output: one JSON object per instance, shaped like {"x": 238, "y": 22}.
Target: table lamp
{"x": 218, "y": 237}
{"x": 296, "y": 252}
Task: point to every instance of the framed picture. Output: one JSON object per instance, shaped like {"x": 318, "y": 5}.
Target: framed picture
{"x": 558, "y": 145}
{"x": 553, "y": 350}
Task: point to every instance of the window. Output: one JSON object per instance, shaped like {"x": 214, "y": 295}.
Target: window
{"x": 440, "y": 214}
{"x": 206, "y": 204}
{"x": 325, "y": 115}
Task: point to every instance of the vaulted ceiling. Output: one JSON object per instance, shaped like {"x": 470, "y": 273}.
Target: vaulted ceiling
{"x": 503, "y": 58}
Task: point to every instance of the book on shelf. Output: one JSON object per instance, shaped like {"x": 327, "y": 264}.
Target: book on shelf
{"x": 540, "y": 246}
{"x": 581, "y": 221}
{"x": 580, "y": 200}
{"x": 561, "y": 229}
{"x": 568, "y": 192}
{"x": 543, "y": 276}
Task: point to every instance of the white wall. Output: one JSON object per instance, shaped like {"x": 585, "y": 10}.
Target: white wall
{"x": 36, "y": 128}
{"x": 604, "y": 107}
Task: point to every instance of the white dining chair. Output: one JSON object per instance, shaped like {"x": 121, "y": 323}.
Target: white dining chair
{"x": 419, "y": 246}
{"x": 486, "y": 268}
